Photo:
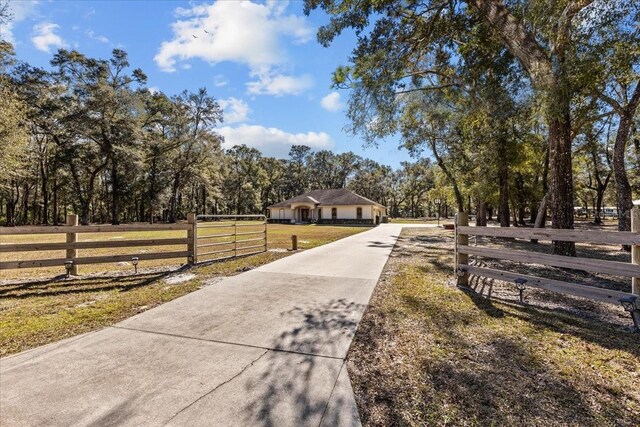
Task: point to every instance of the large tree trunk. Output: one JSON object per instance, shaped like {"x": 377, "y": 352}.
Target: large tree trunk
{"x": 45, "y": 192}
{"x": 561, "y": 178}
{"x": 541, "y": 214}
{"x": 85, "y": 208}
{"x": 546, "y": 70}
{"x": 174, "y": 199}
{"x": 481, "y": 214}
{"x": 503, "y": 178}
{"x": 115, "y": 190}
{"x": 11, "y": 210}
{"x": 55, "y": 199}
{"x": 623, "y": 188}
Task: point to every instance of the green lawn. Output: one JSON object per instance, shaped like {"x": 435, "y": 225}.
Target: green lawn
{"x": 41, "y": 310}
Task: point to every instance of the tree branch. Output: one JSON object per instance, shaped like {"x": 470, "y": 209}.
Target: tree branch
{"x": 519, "y": 42}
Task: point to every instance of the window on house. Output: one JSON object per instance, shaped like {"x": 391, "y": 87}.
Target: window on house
{"x": 320, "y": 213}
{"x": 359, "y": 213}
{"x": 268, "y": 213}
{"x": 334, "y": 213}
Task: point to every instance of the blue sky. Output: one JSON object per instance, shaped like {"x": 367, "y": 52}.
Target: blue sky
{"x": 261, "y": 60}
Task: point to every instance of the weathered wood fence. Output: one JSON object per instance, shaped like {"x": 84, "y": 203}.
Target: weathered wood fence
{"x": 464, "y": 269}
{"x": 228, "y": 241}
{"x": 221, "y": 237}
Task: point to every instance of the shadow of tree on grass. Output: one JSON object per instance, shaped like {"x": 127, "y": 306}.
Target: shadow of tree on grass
{"x": 78, "y": 285}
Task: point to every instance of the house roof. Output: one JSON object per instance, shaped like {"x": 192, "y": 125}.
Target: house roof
{"x": 333, "y": 197}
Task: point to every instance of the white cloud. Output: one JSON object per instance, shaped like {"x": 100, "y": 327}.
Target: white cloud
{"x": 278, "y": 84}
{"x": 235, "y": 110}
{"x": 219, "y": 80}
{"x": 19, "y": 11}
{"x": 242, "y": 32}
{"x": 92, "y": 35}
{"x": 44, "y": 36}
{"x": 332, "y": 102}
{"x": 272, "y": 141}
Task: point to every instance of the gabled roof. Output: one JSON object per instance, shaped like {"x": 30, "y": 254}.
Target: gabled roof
{"x": 333, "y": 197}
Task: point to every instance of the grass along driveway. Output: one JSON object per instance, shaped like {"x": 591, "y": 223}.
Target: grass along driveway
{"x": 35, "y": 310}
{"x": 427, "y": 353}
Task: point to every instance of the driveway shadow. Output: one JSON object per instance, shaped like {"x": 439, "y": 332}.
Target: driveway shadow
{"x": 306, "y": 381}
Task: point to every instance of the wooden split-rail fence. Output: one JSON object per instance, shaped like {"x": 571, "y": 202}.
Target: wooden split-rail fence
{"x": 464, "y": 269}
{"x": 230, "y": 235}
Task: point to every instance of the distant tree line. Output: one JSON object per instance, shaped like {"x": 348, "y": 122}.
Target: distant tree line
{"x": 88, "y": 137}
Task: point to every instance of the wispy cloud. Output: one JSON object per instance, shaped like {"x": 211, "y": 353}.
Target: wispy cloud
{"x": 92, "y": 35}
{"x": 219, "y": 80}
{"x": 44, "y": 36}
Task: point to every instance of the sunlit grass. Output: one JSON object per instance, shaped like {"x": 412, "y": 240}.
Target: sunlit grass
{"x": 42, "y": 310}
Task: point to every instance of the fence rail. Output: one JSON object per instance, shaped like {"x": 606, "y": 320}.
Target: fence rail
{"x": 192, "y": 248}
{"x": 225, "y": 244}
{"x": 578, "y": 236}
{"x": 45, "y": 229}
{"x": 72, "y": 245}
{"x": 632, "y": 238}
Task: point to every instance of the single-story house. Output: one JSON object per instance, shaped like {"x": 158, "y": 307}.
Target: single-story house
{"x": 338, "y": 206}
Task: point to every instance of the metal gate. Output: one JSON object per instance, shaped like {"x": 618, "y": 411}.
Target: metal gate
{"x": 221, "y": 237}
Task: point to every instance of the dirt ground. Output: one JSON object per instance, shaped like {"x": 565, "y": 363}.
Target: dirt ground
{"x": 428, "y": 353}
{"x": 507, "y": 292}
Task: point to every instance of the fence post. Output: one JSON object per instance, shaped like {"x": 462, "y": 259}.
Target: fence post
{"x": 265, "y": 234}
{"x": 235, "y": 236}
{"x": 635, "y": 249}
{"x": 462, "y": 219}
{"x": 72, "y": 254}
{"x": 192, "y": 235}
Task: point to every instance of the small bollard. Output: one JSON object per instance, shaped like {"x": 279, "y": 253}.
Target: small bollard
{"x": 68, "y": 265}
{"x": 294, "y": 242}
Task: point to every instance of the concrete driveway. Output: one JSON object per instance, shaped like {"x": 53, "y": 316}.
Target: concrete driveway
{"x": 266, "y": 348}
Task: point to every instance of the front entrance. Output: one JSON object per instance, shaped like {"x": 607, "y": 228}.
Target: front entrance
{"x": 304, "y": 215}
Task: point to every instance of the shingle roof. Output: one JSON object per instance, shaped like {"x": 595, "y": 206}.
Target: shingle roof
{"x": 333, "y": 197}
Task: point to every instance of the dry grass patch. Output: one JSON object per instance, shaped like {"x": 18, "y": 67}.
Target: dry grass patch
{"x": 427, "y": 353}
{"x": 36, "y": 307}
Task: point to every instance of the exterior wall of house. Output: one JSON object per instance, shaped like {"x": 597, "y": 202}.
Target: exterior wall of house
{"x": 379, "y": 211}
{"x": 280, "y": 215}
{"x": 347, "y": 214}
{"x": 347, "y": 211}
